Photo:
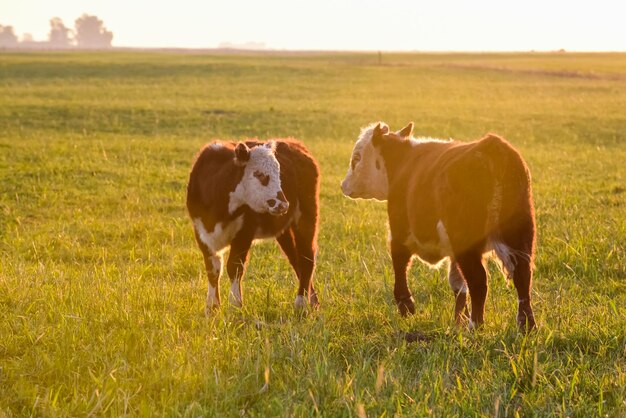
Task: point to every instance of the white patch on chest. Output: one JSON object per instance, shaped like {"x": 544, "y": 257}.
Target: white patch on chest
{"x": 222, "y": 234}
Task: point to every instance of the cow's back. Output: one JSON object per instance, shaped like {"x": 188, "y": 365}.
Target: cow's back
{"x": 476, "y": 186}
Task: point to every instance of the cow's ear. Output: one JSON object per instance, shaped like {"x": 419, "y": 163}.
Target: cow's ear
{"x": 242, "y": 154}
{"x": 379, "y": 130}
{"x": 406, "y": 131}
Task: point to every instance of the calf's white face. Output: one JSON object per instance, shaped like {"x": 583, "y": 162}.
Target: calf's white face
{"x": 260, "y": 186}
{"x": 367, "y": 175}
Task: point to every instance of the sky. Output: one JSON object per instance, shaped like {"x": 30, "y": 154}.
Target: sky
{"x": 393, "y": 25}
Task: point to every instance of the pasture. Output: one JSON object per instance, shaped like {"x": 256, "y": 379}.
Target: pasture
{"x": 102, "y": 287}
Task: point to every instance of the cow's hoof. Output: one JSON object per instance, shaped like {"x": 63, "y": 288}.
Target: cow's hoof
{"x": 314, "y": 301}
{"x": 415, "y": 336}
{"x": 526, "y": 324}
{"x": 406, "y": 306}
{"x": 300, "y": 304}
{"x": 211, "y": 308}
{"x": 461, "y": 313}
{"x": 236, "y": 302}
{"x": 525, "y": 317}
{"x": 475, "y": 325}
{"x": 461, "y": 318}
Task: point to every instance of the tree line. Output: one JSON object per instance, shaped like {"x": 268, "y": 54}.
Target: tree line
{"x": 88, "y": 32}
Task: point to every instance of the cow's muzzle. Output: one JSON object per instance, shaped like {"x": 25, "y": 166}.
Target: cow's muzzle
{"x": 278, "y": 206}
{"x": 345, "y": 189}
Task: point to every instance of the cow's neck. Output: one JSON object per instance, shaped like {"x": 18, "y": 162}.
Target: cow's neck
{"x": 229, "y": 208}
{"x": 394, "y": 153}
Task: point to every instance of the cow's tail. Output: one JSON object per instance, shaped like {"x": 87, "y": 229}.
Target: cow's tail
{"x": 511, "y": 210}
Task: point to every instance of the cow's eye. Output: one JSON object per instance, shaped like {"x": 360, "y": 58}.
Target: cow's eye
{"x": 264, "y": 179}
{"x": 377, "y": 165}
{"x": 355, "y": 160}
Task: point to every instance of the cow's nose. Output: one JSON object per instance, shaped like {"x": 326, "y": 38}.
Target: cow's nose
{"x": 344, "y": 188}
{"x": 280, "y": 205}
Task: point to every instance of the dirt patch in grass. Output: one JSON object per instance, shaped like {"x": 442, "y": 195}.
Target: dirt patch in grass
{"x": 549, "y": 73}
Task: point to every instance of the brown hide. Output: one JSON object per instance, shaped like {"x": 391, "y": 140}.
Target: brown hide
{"x": 216, "y": 173}
{"x": 480, "y": 193}
{"x": 456, "y": 183}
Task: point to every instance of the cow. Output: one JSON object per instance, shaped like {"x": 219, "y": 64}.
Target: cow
{"x": 239, "y": 192}
{"x": 453, "y": 202}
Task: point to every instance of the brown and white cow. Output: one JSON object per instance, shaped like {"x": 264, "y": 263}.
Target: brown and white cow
{"x": 240, "y": 192}
{"x": 450, "y": 200}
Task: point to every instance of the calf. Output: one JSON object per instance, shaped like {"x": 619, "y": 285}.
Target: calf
{"x": 239, "y": 192}
{"x": 450, "y": 200}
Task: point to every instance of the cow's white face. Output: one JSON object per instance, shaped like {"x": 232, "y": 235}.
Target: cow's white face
{"x": 367, "y": 175}
{"x": 260, "y": 186}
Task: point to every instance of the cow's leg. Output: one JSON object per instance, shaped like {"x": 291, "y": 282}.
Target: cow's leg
{"x": 521, "y": 241}
{"x": 459, "y": 288}
{"x": 401, "y": 257}
{"x": 213, "y": 266}
{"x": 522, "y": 278}
{"x": 288, "y": 244}
{"x": 471, "y": 265}
{"x": 306, "y": 248}
{"x": 236, "y": 267}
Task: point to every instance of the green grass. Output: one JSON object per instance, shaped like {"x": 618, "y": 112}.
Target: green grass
{"x": 102, "y": 288}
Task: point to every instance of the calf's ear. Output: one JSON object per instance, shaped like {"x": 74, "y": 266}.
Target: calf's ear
{"x": 379, "y": 130}
{"x": 242, "y": 154}
{"x": 406, "y": 131}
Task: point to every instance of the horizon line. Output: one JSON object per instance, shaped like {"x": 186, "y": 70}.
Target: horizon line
{"x": 40, "y": 46}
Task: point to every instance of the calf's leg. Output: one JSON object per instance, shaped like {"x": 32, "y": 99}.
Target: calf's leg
{"x": 522, "y": 278}
{"x": 470, "y": 264}
{"x": 459, "y": 288}
{"x": 288, "y": 244}
{"x": 401, "y": 258}
{"x": 519, "y": 240}
{"x": 213, "y": 266}
{"x": 236, "y": 267}
{"x": 306, "y": 248}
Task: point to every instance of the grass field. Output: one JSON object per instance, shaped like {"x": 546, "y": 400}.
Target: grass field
{"x": 102, "y": 288}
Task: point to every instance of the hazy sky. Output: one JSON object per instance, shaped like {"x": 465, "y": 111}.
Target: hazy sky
{"x": 478, "y": 25}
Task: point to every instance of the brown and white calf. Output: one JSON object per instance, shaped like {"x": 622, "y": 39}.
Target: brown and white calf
{"x": 450, "y": 200}
{"x": 239, "y": 192}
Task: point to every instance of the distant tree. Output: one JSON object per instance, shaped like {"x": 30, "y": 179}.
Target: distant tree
{"x": 90, "y": 33}
{"x": 60, "y": 35}
{"x": 27, "y": 37}
{"x": 7, "y": 37}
